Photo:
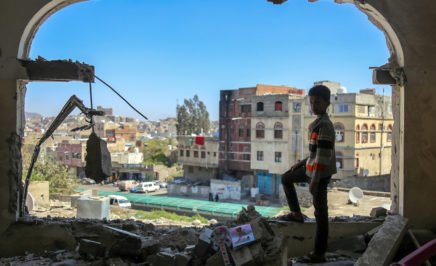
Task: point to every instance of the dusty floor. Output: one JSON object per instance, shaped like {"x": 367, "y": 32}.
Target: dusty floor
{"x": 339, "y": 206}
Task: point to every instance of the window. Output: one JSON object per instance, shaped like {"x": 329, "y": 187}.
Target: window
{"x": 278, "y": 106}
{"x": 246, "y": 157}
{"x": 248, "y": 132}
{"x": 278, "y": 157}
{"x": 278, "y": 130}
{"x": 357, "y": 134}
{"x": 188, "y": 153}
{"x": 190, "y": 169}
{"x": 372, "y": 136}
{"x": 389, "y": 134}
{"x": 260, "y": 130}
{"x": 371, "y": 111}
{"x": 203, "y": 154}
{"x": 340, "y": 132}
{"x": 343, "y": 108}
{"x": 296, "y": 107}
{"x": 245, "y": 108}
{"x": 364, "y": 133}
{"x": 241, "y": 130}
{"x": 380, "y": 127}
{"x": 259, "y": 107}
{"x": 214, "y": 154}
{"x": 181, "y": 153}
{"x": 195, "y": 154}
{"x": 260, "y": 155}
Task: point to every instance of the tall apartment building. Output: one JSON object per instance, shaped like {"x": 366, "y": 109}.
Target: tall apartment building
{"x": 237, "y": 109}
{"x": 276, "y": 138}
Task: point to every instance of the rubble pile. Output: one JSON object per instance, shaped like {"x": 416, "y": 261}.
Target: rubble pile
{"x": 249, "y": 240}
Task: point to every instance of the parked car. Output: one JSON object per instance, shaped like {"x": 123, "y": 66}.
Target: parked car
{"x": 145, "y": 187}
{"x": 119, "y": 201}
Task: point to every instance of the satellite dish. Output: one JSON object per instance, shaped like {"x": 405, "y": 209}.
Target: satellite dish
{"x": 355, "y": 195}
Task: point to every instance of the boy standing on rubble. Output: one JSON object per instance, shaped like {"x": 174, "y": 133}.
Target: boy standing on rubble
{"x": 316, "y": 170}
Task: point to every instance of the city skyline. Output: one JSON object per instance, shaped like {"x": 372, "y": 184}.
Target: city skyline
{"x": 156, "y": 55}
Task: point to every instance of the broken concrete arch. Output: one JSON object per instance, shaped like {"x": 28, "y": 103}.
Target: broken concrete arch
{"x": 44, "y": 12}
{"x": 407, "y": 35}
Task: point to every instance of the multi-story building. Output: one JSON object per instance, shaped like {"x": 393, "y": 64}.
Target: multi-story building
{"x": 72, "y": 154}
{"x": 200, "y": 162}
{"x": 235, "y": 126}
{"x": 363, "y": 123}
{"x": 276, "y": 138}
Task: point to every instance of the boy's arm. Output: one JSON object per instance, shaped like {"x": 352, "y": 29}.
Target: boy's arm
{"x": 324, "y": 153}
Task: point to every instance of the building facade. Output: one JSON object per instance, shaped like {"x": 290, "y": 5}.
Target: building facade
{"x": 200, "y": 161}
{"x": 237, "y": 109}
{"x": 363, "y": 123}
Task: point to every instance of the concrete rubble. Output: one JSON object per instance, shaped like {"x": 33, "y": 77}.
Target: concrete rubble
{"x": 64, "y": 241}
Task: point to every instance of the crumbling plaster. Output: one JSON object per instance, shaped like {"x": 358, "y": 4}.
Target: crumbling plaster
{"x": 408, "y": 26}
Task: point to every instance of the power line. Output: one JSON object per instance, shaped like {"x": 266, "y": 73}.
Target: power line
{"x": 119, "y": 95}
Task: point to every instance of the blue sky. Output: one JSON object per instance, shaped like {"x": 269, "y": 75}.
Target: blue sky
{"x": 158, "y": 52}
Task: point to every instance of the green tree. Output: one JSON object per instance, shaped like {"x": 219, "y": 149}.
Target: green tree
{"x": 47, "y": 169}
{"x": 192, "y": 117}
{"x": 156, "y": 151}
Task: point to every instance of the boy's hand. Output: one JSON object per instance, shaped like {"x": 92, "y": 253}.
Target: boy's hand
{"x": 313, "y": 187}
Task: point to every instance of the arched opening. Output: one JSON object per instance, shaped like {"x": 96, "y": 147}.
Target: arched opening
{"x": 278, "y": 130}
{"x": 372, "y": 137}
{"x": 260, "y": 130}
{"x": 364, "y": 133}
{"x": 357, "y": 134}
{"x": 278, "y": 106}
{"x": 260, "y": 106}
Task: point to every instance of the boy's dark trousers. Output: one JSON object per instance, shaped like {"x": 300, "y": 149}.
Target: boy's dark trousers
{"x": 298, "y": 175}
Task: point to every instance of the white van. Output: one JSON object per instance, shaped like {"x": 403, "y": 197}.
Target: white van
{"x": 146, "y": 187}
{"x": 119, "y": 201}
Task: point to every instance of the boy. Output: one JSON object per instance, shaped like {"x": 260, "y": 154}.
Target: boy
{"x": 316, "y": 170}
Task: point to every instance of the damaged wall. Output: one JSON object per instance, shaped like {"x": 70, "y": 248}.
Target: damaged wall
{"x": 413, "y": 23}
{"x": 19, "y": 20}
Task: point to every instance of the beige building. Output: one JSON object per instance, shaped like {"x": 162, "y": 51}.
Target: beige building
{"x": 276, "y": 140}
{"x": 200, "y": 162}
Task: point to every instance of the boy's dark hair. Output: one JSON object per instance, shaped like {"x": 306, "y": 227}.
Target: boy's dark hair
{"x": 320, "y": 91}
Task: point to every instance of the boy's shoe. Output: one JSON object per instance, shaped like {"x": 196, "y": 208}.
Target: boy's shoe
{"x": 293, "y": 217}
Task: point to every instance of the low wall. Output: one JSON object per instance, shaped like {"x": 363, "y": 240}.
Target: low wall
{"x": 185, "y": 190}
{"x": 226, "y": 189}
{"x": 40, "y": 193}
{"x": 374, "y": 183}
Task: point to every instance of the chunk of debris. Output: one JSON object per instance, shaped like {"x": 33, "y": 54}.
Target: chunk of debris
{"x": 382, "y": 247}
{"x": 378, "y": 212}
{"x": 91, "y": 249}
{"x": 247, "y": 215}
